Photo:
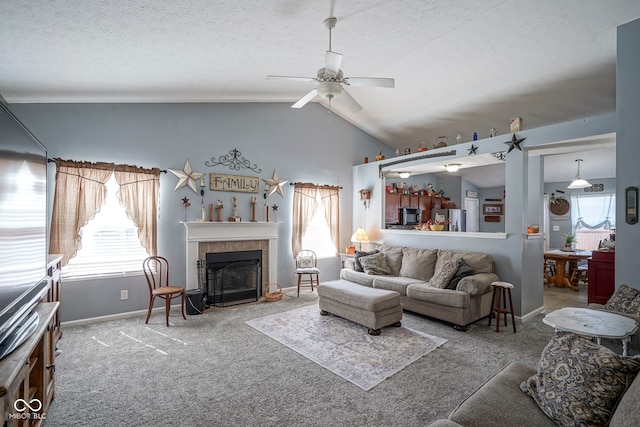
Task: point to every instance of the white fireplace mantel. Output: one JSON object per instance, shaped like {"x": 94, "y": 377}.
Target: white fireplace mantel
{"x": 207, "y": 231}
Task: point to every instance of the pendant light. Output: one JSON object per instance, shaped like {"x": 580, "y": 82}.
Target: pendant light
{"x": 579, "y": 182}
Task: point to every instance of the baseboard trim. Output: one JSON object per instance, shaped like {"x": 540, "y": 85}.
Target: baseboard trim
{"x": 117, "y": 316}
{"x": 530, "y": 315}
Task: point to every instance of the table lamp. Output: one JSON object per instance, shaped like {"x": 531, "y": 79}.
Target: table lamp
{"x": 359, "y": 237}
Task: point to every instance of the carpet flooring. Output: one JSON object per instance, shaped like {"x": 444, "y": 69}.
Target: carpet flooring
{"x": 214, "y": 369}
{"x": 345, "y": 348}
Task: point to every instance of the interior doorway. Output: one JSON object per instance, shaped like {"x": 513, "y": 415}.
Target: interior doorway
{"x": 472, "y": 206}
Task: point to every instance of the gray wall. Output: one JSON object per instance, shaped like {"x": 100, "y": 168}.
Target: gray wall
{"x": 307, "y": 145}
{"x": 627, "y": 149}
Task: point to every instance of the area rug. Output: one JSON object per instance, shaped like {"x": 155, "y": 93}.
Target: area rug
{"x": 345, "y": 348}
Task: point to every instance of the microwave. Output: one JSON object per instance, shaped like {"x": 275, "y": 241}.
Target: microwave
{"x": 410, "y": 216}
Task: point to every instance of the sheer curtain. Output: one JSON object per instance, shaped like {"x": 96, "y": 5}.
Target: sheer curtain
{"x": 594, "y": 211}
{"x": 592, "y": 217}
{"x": 79, "y": 193}
{"x": 330, "y": 202}
{"x": 139, "y": 193}
{"x": 304, "y": 206}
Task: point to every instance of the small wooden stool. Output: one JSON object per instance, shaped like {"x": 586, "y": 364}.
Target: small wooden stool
{"x": 501, "y": 289}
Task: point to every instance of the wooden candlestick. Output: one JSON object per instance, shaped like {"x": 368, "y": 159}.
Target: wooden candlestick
{"x": 211, "y": 212}
{"x": 267, "y": 213}
{"x": 219, "y": 214}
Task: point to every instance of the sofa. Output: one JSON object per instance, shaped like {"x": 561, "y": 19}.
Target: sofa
{"x": 577, "y": 382}
{"x": 453, "y": 286}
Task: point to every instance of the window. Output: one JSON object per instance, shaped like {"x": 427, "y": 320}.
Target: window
{"x": 316, "y": 219}
{"x": 110, "y": 243}
{"x": 317, "y": 236}
{"x": 593, "y": 217}
{"x": 104, "y": 218}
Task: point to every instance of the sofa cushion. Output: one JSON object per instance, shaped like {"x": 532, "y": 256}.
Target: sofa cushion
{"x": 418, "y": 263}
{"x": 464, "y": 270}
{"x": 481, "y": 263}
{"x": 394, "y": 283}
{"x": 393, "y": 254}
{"x": 499, "y": 402}
{"x": 625, "y": 299}
{"x": 375, "y": 264}
{"x": 361, "y": 278}
{"x": 357, "y": 256}
{"x": 445, "y": 273}
{"x": 446, "y": 297}
{"x": 579, "y": 382}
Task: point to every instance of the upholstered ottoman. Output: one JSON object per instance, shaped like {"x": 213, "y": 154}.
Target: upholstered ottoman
{"x": 370, "y": 307}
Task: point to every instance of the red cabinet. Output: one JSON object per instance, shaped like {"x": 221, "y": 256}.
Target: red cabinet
{"x": 602, "y": 268}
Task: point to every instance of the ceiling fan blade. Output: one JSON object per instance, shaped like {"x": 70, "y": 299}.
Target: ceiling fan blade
{"x": 308, "y": 97}
{"x": 350, "y": 102}
{"x": 370, "y": 81}
{"x": 332, "y": 62}
{"x": 299, "y": 79}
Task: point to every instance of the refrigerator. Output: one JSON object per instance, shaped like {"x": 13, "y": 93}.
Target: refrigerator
{"x": 457, "y": 218}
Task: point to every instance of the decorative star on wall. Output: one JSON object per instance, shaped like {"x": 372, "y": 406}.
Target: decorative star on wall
{"x": 473, "y": 150}
{"x": 275, "y": 185}
{"x": 515, "y": 143}
{"x": 186, "y": 177}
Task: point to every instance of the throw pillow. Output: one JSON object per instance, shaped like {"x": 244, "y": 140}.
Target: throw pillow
{"x": 305, "y": 261}
{"x": 375, "y": 264}
{"x": 360, "y": 254}
{"x": 463, "y": 271}
{"x": 578, "y": 381}
{"x": 442, "y": 277}
{"x": 625, "y": 300}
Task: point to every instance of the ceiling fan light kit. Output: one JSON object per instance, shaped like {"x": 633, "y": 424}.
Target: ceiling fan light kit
{"x": 452, "y": 167}
{"x": 331, "y": 80}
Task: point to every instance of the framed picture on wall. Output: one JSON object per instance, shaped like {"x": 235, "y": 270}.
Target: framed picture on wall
{"x": 492, "y": 209}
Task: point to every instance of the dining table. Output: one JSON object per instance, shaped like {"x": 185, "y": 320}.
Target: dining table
{"x": 561, "y": 258}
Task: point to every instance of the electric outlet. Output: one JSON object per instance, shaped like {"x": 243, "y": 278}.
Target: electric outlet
{"x": 124, "y": 294}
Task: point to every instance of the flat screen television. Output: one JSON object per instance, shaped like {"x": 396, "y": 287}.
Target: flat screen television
{"x": 23, "y": 230}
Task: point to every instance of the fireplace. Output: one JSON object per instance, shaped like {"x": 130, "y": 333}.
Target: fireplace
{"x": 205, "y": 237}
{"x": 233, "y": 277}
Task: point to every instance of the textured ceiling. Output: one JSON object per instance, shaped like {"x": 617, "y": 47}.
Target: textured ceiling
{"x": 460, "y": 66}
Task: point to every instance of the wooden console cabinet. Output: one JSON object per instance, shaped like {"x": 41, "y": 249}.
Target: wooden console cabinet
{"x": 54, "y": 264}
{"x": 602, "y": 268}
{"x": 27, "y": 374}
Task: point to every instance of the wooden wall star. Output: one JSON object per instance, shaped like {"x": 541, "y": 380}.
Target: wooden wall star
{"x": 515, "y": 143}
{"x": 275, "y": 185}
{"x": 186, "y": 177}
{"x": 473, "y": 150}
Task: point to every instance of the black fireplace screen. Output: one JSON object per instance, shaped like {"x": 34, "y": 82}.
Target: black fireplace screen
{"x": 233, "y": 277}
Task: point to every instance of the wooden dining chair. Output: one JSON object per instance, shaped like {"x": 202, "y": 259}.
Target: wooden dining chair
{"x": 156, "y": 270}
{"x": 307, "y": 269}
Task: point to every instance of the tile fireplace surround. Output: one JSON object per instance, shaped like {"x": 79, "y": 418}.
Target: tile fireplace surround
{"x": 207, "y": 236}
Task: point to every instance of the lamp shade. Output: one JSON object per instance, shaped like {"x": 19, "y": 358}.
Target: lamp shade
{"x": 579, "y": 183}
{"x": 359, "y": 236}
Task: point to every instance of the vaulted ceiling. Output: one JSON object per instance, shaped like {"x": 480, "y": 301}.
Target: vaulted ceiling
{"x": 460, "y": 66}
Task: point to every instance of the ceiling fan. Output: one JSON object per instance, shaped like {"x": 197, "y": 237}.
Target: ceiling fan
{"x": 331, "y": 80}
